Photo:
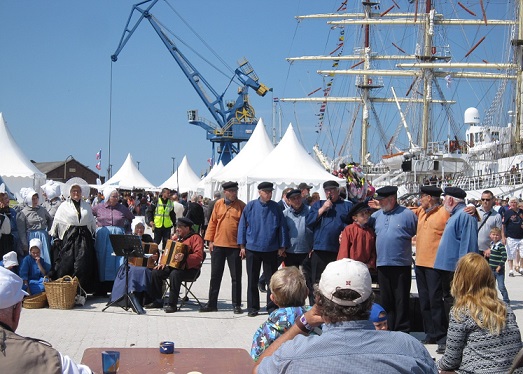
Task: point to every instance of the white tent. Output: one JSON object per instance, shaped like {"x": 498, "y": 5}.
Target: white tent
{"x": 16, "y": 169}
{"x": 205, "y": 186}
{"x": 288, "y": 165}
{"x": 253, "y": 153}
{"x": 184, "y": 178}
{"x": 128, "y": 177}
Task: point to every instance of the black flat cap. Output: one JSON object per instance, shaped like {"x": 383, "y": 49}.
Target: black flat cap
{"x": 360, "y": 207}
{"x": 266, "y": 186}
{"x": 431, "y": 190}
{"x": 330, "y": 184}
{"x": 184, "y": 222}
{"x": 304, "y": 186}
{"x": 292, "y": 193}
{"x": 230, "y": 186}
{"x": 386, "y": 191}
{"x": 455, "y": 192}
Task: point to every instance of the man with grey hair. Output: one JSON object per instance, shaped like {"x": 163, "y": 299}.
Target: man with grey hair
{"x": 349, "y": 342}
{"x": 512, "y": 235}
{"x": 459, "y": 238}
{"x": 195, "y": 213}
{"x": 19, "y": 354}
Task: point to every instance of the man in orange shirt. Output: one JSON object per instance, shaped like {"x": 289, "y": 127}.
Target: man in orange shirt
{"x": 222, "y": 234}
{"x": 432, "y": 218}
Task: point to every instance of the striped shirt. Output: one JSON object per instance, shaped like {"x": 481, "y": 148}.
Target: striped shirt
{"x": 498, "y": 255}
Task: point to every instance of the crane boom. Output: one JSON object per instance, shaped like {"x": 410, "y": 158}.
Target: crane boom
{"x": 234, "y": 122}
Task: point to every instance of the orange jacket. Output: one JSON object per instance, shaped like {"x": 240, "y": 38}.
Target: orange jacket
{"x": 430, "y": 230}
{"x": 223, "y": 224}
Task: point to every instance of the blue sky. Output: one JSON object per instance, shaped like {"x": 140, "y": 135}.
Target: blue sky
{"x": 55, "y": 76}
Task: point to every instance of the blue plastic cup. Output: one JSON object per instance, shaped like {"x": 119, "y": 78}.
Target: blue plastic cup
{"x": 167, "y": 347}
{"x": 110, "y": 362}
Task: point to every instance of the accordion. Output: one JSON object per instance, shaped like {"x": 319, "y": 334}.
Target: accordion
{"x": 170, "y": 250}
{"x": 151, "y": 248}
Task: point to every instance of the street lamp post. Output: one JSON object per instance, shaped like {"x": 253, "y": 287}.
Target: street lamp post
{"x": 70, "y": 157}
{"x": 174, "y": 159}
{"x": 138, "y": 162}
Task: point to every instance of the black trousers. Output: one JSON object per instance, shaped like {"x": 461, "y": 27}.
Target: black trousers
{"x": 218, "y": 257}
{"x": 176, "y": 277}
{"x": 319, "y": 261}
{"x": 161, "y": 235}
{"x": 255, "y": 260}
{"x": 431, "y": 303}
{"x": 448, "y": 299}
{"x": 395, "y": 284}
{"x": 294, "y": 259}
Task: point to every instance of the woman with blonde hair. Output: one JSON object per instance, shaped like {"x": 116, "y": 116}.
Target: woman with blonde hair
{"x": 483, "y": 336}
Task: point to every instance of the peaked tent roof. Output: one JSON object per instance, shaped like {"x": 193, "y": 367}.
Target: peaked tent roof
{"x": 206, "y": 184}
{"x": 289, "y": 163}
{"x": 128, "y": 177}
{"x": 253, "y": 152}
{"x": 13, "y": 162}
{"x": 184, "y": 178}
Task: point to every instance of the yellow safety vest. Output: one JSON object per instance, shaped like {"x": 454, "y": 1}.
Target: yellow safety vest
{"x": 161, "y": 214}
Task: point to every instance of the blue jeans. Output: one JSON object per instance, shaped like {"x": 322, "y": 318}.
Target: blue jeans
{"x": 500, "y": 278}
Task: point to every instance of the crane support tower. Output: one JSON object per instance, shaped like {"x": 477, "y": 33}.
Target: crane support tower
{"x": 234, "y": 121}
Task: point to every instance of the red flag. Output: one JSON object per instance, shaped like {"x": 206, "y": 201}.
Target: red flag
{"x": 99, "y": 165}
{"x": 99, "y": 155}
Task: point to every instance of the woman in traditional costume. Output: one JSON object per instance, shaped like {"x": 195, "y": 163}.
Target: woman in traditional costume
{"x": 34, "y": 221}
{"x": 111, "y": 218}
{"x": 34, "y": 268}
{"x": 74, "y": 227}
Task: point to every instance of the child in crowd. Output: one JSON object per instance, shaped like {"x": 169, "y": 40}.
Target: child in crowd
{"x": 288, "y": 292}
{"x": 496, "y": 261}
{"x": 10, "y": 262}
{"x": 378, "y": 316}
{"x": 34, "y": 268}
{"x": 358, "y": 240}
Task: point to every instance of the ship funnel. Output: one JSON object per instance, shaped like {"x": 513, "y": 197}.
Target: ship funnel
{"x": 471, "y": 116}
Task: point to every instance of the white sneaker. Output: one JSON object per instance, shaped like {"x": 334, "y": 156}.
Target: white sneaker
{"x": 511, "y": 273}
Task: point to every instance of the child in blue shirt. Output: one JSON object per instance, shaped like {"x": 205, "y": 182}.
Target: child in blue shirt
{"x": 288, "y": 292}
{"x": 34, "y": 268}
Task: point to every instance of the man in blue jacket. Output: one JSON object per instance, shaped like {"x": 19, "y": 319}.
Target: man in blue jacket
{"x": 262, "y": 234}
{"x": 327, "y": 219}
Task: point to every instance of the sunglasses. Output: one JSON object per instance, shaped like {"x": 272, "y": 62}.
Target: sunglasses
{"x": 486, "y": 199}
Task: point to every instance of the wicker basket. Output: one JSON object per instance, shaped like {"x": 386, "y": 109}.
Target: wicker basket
{"x": 35, "y": 301}
{"x": 61, "y": 292}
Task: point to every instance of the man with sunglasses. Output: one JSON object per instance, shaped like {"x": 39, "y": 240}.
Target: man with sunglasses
{"x": 489, "y": 219}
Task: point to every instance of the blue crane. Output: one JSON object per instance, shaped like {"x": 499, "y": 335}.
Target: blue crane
{"x": 234, "y": 121}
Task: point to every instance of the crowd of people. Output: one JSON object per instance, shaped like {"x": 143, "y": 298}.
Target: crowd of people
{"x": 351, "y": 259}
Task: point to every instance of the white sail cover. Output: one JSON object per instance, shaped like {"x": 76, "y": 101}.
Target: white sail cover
{"x": 16, "y": 169}
{"x": 184, "y": 178}
{"x": 128, "y": 177}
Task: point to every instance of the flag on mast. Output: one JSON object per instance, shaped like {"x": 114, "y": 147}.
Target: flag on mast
{"x": 99, "y": 165}
{"x": 99, "y": 155}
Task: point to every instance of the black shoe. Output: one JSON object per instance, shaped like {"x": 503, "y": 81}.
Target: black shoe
{"x": 238, "y": 310}
{"x": 208, "y": 308}
{"x": 262, "y": 287}
{"x": 153, "y": 305}
{"x": 441, "y": 348}
{"x": 429, "y": 341}
{"x": 169, "y": 309}
{"x": 253, "y": 313}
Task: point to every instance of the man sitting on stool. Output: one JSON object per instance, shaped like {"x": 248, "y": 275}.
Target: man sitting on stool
{"x": 191, "y": 265}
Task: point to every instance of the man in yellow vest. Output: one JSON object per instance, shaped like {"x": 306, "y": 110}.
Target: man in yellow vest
{"x": 161, "y": 216}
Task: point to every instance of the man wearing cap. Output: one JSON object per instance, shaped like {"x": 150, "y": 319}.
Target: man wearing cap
{"x": 19, "y": 354}
{"x": 222, "y": 234}
{"x": 262, "y": 233}
{"x": 395, "y": 226}
{"x": 349, "y": 342}
{"x": 192, "y": 262}
{"x": 459, "y": 238}
{"x": 300, "y": 235}
{"x": 327, "y": 219}
{"x": 305, "y": 189}
{"x": 161, "y": 217}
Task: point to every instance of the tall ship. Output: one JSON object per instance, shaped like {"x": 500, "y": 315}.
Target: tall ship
{"x": 419, "y": 92}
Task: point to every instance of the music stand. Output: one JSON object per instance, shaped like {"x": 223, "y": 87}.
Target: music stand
{"x": 126, "y": 246}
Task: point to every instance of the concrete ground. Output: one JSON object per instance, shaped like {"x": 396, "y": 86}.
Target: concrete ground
{"x": 72, "y": 331}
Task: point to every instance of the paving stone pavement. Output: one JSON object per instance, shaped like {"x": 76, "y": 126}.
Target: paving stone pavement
{"x": 72, "y": 331}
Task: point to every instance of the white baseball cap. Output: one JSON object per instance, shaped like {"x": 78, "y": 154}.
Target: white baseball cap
{"x": 10, "y": 259}
{"x": 11, "y": 291}
{"x": 346, "y": 274}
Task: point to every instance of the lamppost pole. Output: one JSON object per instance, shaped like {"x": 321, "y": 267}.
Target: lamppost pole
{"x": 138, "y": 162}
{"x": 174, "y": 159}
{"x": 65, "y": 166}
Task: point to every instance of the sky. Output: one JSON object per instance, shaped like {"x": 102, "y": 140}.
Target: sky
{"x": 61, "y": 95}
